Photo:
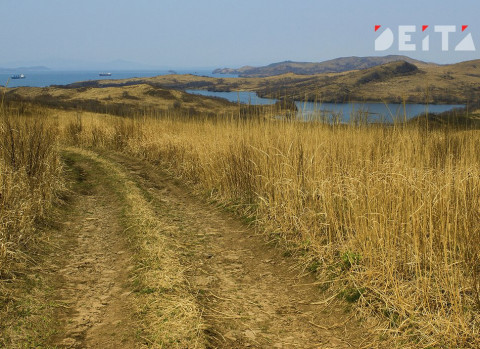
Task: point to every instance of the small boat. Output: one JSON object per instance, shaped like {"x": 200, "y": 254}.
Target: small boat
{"x": 105, "y": 74}
{"x": 18, "y": 76}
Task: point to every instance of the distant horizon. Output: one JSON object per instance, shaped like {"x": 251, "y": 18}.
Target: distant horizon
{"x": 144, "y": 67}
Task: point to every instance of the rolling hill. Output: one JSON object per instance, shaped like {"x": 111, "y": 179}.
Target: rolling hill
{"x": 336, "y": 65}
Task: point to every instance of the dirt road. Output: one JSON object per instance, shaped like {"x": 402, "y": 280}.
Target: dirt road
{"x": 247, "y": 293}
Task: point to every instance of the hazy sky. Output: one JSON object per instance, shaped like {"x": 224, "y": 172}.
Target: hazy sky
{"x": 219, "y": 33}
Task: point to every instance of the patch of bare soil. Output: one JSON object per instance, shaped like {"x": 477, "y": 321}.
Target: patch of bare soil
{"x": 251, "y": 294}
{"x": 92, "y": 273}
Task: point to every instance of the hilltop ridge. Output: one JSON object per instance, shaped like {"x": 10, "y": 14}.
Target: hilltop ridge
{"x": 336, "y": 65}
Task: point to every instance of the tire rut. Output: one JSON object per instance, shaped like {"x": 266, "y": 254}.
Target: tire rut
{"x": 93, "y": 276}
{"x": 251, "y": 295}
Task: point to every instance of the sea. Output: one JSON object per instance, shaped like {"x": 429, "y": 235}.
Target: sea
{"x": 53, "y": 77}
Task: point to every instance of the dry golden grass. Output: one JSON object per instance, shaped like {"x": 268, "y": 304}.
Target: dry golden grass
{"x": 120, "y": 100}
{"x": 387, "y": 216}
{"x": 29, "y": 177}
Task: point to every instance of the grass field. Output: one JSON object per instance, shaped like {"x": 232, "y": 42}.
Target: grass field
{"x": 385, "y": 216}
{"x": 29, "y": 177}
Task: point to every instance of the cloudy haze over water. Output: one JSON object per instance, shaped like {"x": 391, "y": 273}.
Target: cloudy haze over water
{"x": 146, "y": 34}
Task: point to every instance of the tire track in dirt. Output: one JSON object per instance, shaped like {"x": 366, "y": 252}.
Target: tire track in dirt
{"x": 251, "y": 295}
{"x": 92, "y": 277}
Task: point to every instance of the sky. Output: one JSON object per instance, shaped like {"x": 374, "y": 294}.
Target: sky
{"x": 221, "y": 33}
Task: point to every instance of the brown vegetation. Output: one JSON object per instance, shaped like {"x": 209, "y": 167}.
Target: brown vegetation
{"x": 30, "y": 178}
{"x": 137, "y": 100}
{"x": 386, "y": 216}
{"x": 29, "y": 174}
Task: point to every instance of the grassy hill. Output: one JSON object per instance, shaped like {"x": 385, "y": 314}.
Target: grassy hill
{"x": 336, "y": 65}
{"x": 120, "y": 100}
{"x": 127, "y": 99}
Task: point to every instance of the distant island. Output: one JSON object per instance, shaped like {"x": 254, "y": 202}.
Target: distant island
{"x": 24, "y": 69}
{"x": 337, "y": 65}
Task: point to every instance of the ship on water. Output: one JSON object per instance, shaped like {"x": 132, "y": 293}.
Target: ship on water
{"x": 105, "y": 74}
{"x": 18, "y": 76}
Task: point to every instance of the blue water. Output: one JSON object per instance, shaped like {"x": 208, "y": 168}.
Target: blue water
{"x": 47, "y": 78}
{"x": 245, "y": 97}
{"x": 340, "y": 112}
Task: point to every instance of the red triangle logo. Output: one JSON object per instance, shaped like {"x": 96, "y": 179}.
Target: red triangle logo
{"x": 424, "y": 27}
{"x": 377, "y": 27}
{"x": 464, "y": 27}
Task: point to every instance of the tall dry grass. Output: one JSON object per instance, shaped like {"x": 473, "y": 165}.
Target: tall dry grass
{"x": 29, "y": 178}
{"x": 388, "y": 215}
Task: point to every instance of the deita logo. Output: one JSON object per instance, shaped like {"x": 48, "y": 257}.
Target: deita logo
{"x": 386, "y": 39}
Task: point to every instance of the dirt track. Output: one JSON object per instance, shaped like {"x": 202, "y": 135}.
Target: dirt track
{"x": 92, "y": 281}
{"x": 249, "y": 293}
